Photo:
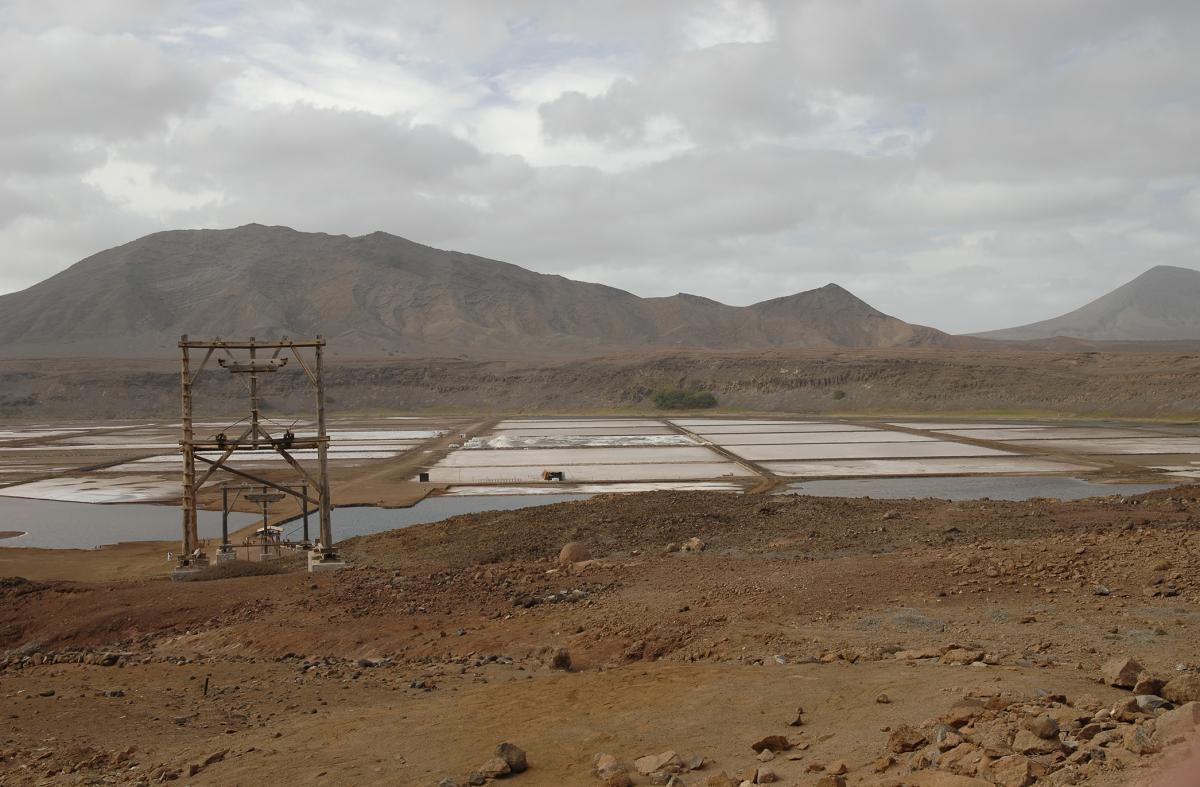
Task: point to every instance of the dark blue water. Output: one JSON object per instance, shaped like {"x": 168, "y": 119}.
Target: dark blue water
{"x": 972, "y": 488}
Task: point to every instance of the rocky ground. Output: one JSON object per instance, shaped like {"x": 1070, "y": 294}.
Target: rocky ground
{"x": 685, "y": 639}
{"x": 1140, "y": 382}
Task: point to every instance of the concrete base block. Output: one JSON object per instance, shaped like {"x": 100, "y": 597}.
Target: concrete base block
{"x": 318, "y": 562}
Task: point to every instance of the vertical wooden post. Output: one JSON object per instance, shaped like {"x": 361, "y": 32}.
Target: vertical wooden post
{"x": 186, "y": 442}
{"x": 224, "y": 515}
{"x": 253, "y": 396}
{"x": 323, "y": 455}
{"x": 304, "y": 512}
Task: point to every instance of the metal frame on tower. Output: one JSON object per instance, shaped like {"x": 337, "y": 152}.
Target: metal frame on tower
{"x": 242, "y": 357}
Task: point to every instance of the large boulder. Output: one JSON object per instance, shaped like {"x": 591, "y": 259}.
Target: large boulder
{"x": 1177, "y": 725}
{"x": 573, "y": 552}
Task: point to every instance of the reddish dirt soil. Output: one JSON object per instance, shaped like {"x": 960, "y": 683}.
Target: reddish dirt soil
{"x": 440, "y": 641}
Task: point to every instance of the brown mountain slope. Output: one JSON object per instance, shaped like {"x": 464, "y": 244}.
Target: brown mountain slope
{"x": 379, "y": 295}
{"x": 1163, "y": 304}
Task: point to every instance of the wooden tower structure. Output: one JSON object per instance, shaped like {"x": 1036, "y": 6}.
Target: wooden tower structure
{"x": 248, "y": 359}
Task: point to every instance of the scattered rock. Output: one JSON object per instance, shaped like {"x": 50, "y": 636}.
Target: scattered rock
{"x": 606, "y": 762}
{"x": 1025, "y": 742}
{"x": 964, "y": 711}
{"x": 694, "y": 545}
{"x": 961, "y": 656}
{"x": 774, "y": 743}
{"x": 494, "y": 768}
{"x": 764, "y": 775}
{"x": 1121, "y": 672}
{"x": 1139, "y": 741}
{"x": 573, "y": 552}
{"x": 1149, "y": 684}
{"x": 1011, "y": 771}
{"x": 1043, "y": 727}
{"x": 1148, "y": 703}
{"x": 1183, "y": 689}
{"x": 556, "y": 658}
{"x": 1127, "y": 710}
{"x": 905, "y": 739}
{"x": 214, "y": 758}
{"x": 799, "y": 718}
{"x": 513, "y": 755}
{"x": 831, "y": 780}
{"x": 667, "y": 761}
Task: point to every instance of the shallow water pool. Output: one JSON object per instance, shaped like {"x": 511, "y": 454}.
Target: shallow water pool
{"x": 365, "y": 520}
{"x": 54, "y": 524}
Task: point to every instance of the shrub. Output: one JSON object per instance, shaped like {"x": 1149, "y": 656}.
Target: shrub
{"x": 682, "y": 399}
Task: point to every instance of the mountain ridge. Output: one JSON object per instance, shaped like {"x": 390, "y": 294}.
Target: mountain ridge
{"x": 381, "y": 295}
{"x": 1161, "y": 304}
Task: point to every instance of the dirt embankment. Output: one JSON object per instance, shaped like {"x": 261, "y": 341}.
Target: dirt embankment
{"x": 900, "y": 380}
{"x": 926, "y": 641}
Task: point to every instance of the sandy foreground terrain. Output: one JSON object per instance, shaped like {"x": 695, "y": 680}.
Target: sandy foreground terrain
{"x": 854, "y": 641}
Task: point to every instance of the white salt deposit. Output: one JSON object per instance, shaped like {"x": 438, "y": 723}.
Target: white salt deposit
{"x": 689, "y": 471}
{"x": 944, "y": 425}
{"x": 862, "y": 451}
{"x": 597, "y": 489}
{"x": 1122, "y": 445}
{"x": 898, "y": 467}
{"x": 589, "y": 431}
{"x": 553, "y": 457}
{"x": 575, "y": 441}
{"x": 95, "y": 489}
{"x": 1050, "y": 433}
{"x": 778, "y": 429}
{"x": 801, "y": 438}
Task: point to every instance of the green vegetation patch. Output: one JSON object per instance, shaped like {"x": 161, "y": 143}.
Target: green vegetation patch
{"x": 682, "y": 399}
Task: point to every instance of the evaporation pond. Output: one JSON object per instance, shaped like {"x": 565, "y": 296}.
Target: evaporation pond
{"x": 1003, "y": 488}
{"x": 364, "y": 520}
{"x": 53, "y": 524}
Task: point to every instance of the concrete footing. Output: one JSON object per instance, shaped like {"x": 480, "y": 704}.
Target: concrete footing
{"x": 318, "y": 562}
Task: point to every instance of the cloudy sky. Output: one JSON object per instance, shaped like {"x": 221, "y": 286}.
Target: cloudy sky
{"x": 969, "y": 165}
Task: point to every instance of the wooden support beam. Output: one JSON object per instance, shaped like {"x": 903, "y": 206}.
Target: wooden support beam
{"x": 258, "y": 480}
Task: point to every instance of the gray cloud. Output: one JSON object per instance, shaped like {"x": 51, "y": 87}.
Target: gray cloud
{"x": 963, "y": 165}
